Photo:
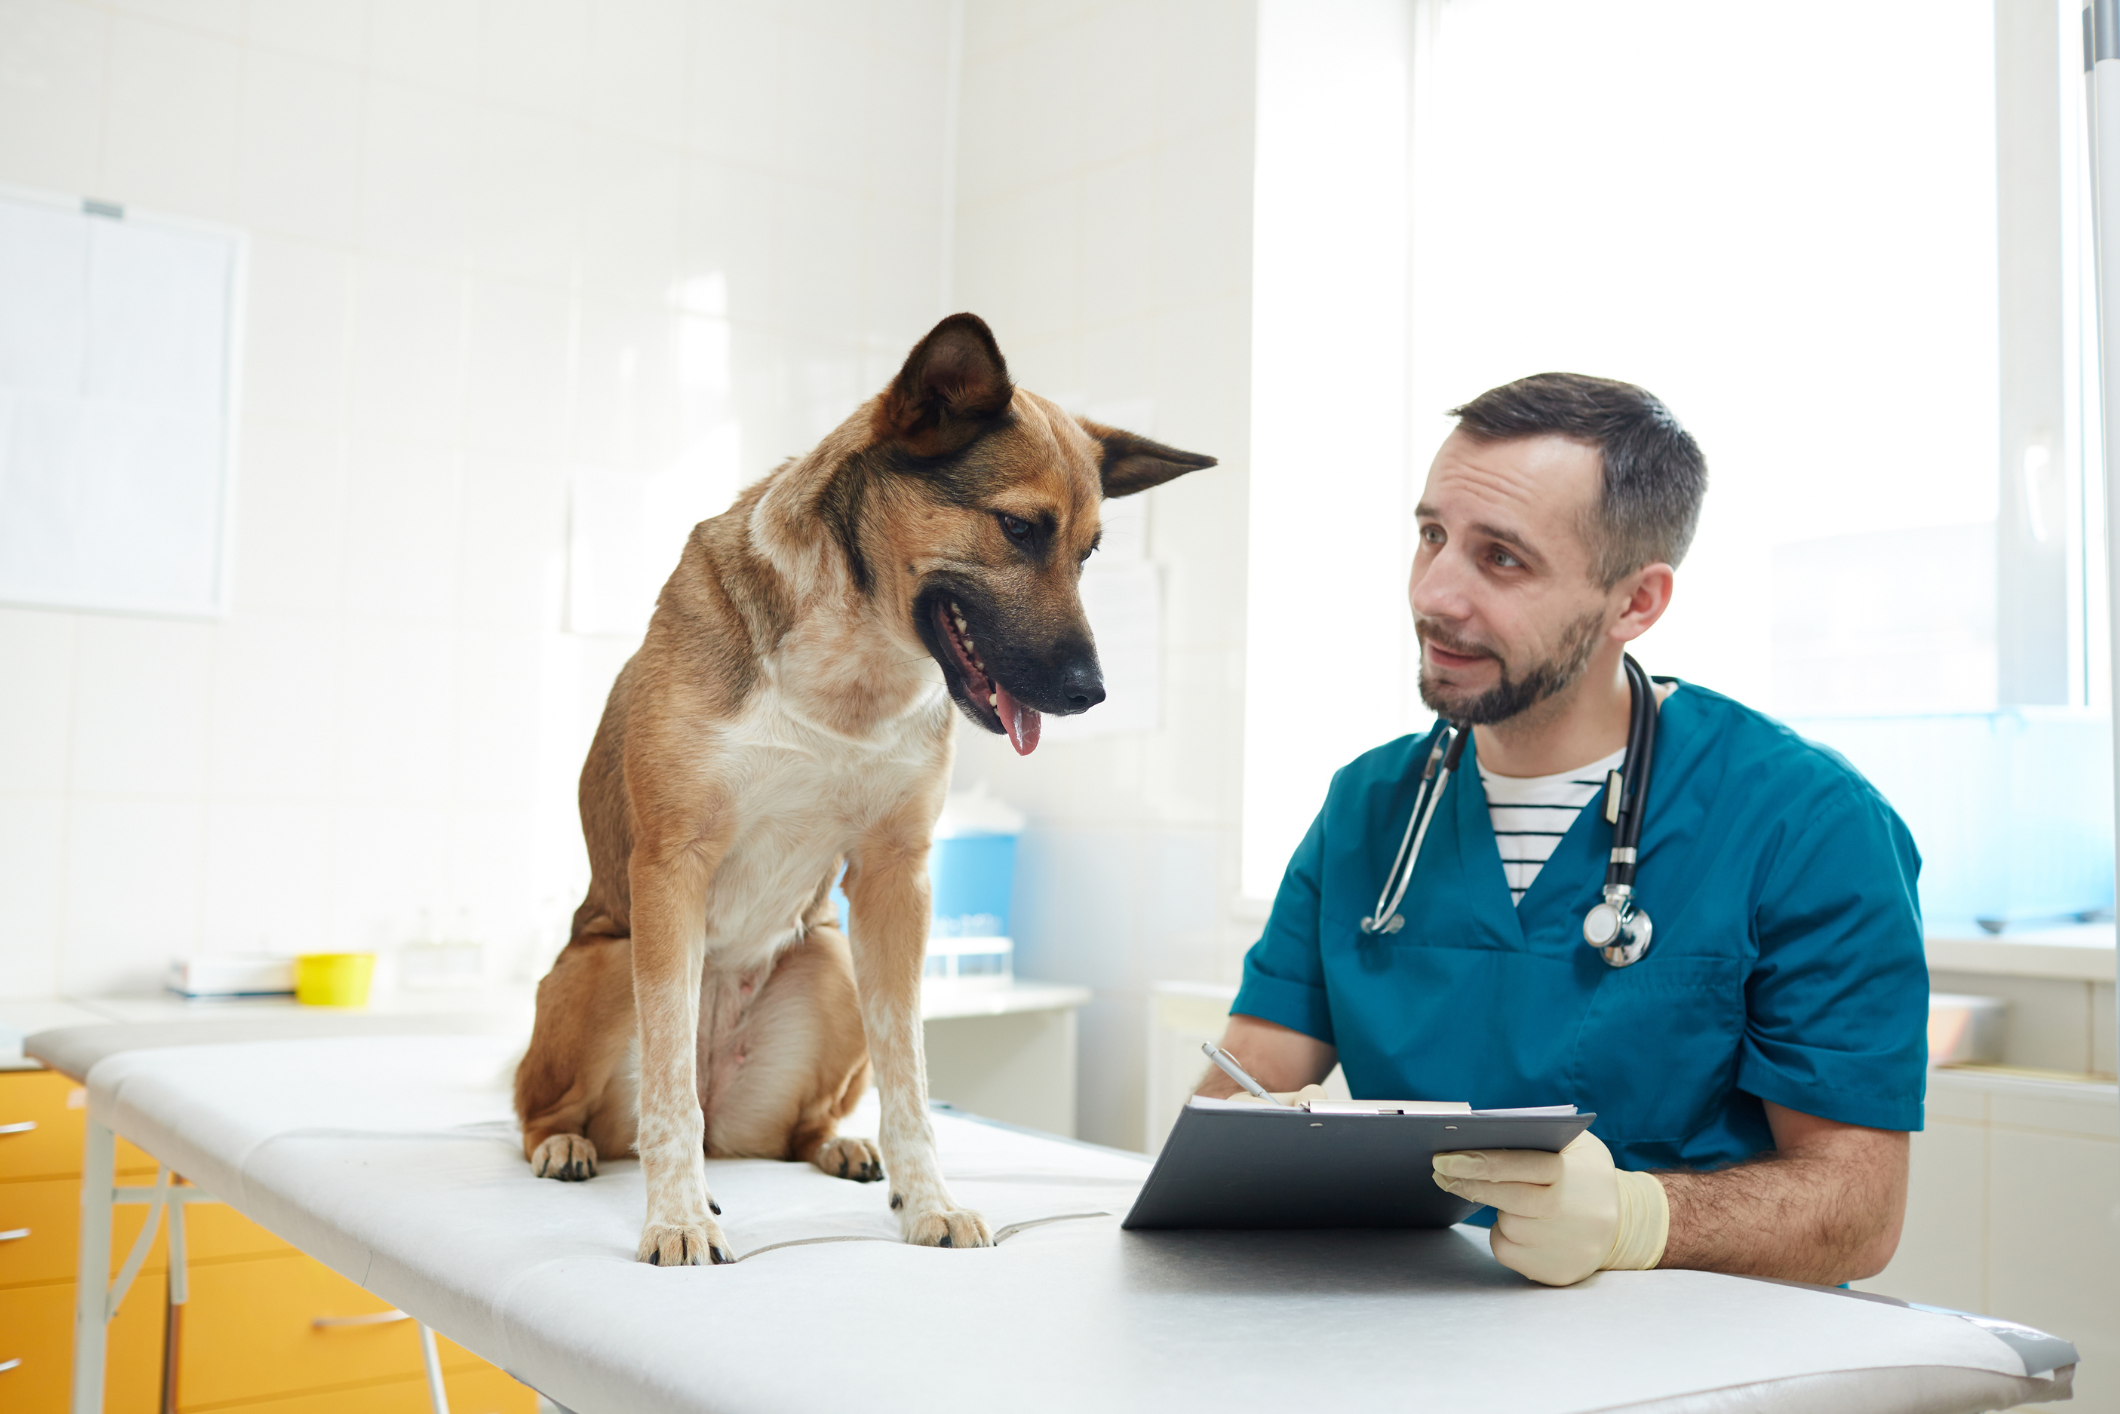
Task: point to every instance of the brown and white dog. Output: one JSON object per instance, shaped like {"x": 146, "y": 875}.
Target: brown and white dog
{"x": 789, "y": 711}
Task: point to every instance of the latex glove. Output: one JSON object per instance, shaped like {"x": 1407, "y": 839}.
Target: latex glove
{"x": 1287, "y": 1097}
{"x": 1560, "y": 1217}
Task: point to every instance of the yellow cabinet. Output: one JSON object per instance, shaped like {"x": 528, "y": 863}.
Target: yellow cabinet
{"x": 250, "y": 1341}
{"x": 43, "y": 1117}
{"x": 251, "y": 1331}
{"x": 40, "y": 1232}
{"x": 37, "y": 1327}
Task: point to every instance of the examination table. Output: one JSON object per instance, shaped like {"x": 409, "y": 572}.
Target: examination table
{"x": 394, "y": 1160}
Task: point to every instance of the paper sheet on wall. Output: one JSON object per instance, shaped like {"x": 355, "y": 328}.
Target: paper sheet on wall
{"x": 116, "y": 382}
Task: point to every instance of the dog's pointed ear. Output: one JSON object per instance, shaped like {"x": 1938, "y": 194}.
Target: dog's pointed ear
{"x": 954, "y": 381}
{"x": 1135, "y": 464}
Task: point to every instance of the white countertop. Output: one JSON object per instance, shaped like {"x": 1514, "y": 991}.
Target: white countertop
{"x": 2080, "y": 952}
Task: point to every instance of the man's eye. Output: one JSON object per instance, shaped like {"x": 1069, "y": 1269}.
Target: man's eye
{"x": 1019, "y": 529}
{"x": 1506, "y": 560}
{"x": 1432, "y": 534}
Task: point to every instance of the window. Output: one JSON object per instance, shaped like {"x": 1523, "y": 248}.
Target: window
{"x": 1786, "y": 229}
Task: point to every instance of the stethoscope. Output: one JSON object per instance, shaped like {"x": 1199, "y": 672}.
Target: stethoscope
{"x": 1616, "y": 927}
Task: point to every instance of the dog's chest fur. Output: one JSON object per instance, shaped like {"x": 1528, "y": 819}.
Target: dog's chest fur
{"x": 804, "y": 795}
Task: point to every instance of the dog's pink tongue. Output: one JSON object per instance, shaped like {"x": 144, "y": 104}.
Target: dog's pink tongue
{"x": 1021, "y": 722}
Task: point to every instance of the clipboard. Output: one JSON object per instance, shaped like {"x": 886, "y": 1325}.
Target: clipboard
{"x": 1362, "y": 1164}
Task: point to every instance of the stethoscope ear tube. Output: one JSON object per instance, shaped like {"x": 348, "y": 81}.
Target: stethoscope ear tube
{"x": 1435, "y": 779}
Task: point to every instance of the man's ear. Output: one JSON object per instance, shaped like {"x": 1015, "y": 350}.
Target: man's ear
{"x": 1135, "y": 464}
{"x": 953, "y": 382}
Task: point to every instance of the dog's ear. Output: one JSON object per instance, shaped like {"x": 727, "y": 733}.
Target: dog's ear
{"x": 953, "y": 382}
{"x": 1135, "y": 464}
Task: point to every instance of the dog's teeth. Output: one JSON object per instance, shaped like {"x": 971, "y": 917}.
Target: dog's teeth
{"x": 993, "y": 700}
{"x": 968, "y": 642}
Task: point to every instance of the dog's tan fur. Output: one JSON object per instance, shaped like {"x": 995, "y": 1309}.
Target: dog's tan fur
{"x": 789, "y": 711}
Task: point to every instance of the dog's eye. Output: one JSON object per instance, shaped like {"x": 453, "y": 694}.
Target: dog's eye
{"x": 1019, "y": 529}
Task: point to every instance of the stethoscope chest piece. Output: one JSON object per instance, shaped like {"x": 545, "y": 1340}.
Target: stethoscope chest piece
{"x": 1617, "y": 929}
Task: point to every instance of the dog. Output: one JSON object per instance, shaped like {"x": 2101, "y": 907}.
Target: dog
{"x": 789, "y": 714}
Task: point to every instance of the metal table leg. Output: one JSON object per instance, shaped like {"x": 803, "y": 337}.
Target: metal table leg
{"x": 99, "y": 1173}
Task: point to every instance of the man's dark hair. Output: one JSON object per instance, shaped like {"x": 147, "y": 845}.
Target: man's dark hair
{"x": 1655, "y": 474}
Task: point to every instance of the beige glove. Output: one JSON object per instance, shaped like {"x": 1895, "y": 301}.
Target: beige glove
{"x": 1560, "y": 1217}
{"x": 1287, "y": 1097}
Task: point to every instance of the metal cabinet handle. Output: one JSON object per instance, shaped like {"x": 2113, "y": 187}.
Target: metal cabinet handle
{"x": 376, "y": 1318}
{"x": 6, "y": 1365}
{"x": 19, "y": 1127}
{"x": 14, "y": 1234}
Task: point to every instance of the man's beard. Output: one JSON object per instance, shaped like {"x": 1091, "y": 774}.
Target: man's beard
{"x": 1514, "y": 695}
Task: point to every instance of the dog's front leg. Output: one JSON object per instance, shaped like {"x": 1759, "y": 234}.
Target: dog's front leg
{"x": 887, "y": 889}
{"x": 670, "y": 880}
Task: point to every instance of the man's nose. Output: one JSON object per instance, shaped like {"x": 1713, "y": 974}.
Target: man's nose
{"x": 1081, "y": 684}
{"x": 1437, "y": 589}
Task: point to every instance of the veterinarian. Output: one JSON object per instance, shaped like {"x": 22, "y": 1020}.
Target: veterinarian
{"x": 1756, "y": 1070}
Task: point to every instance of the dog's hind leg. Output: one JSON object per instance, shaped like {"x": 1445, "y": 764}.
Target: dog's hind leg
{"x": 793, "y": 1063}
{"x": 573, "y": 1090}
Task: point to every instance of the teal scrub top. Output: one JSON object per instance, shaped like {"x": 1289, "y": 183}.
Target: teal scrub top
{"x": 1786, "y": 965}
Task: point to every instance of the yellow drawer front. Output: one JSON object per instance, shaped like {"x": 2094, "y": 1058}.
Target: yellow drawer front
{"x": 50, "y": 1208}
{"x": 37, "y": 1325}
{"x": 57, "y": 1110}
{"x": 484, "y": 1390}
{"x": 213, "y": 1231}
{"x": 249, "y": 1332}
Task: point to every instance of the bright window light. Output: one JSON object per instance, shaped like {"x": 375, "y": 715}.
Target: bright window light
{"x": 1781, "y": 222}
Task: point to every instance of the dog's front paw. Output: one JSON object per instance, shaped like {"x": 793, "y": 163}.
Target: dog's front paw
{"x": 683, "y": 1245}
{"x": 847, "y": 1157}
{"x": 948, "y": 1227}
{"x": 570, "y": 1158}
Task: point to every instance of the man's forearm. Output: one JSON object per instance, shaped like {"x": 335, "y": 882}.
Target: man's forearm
{"x": 1278, "y": 1058}
{"x": 1826, "y": 1213}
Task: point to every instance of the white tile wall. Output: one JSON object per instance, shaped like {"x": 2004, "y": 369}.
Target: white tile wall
{"x": 1103, "y": 229}
{"x": 474, "y": 225}
{"x": 496, "y": 242}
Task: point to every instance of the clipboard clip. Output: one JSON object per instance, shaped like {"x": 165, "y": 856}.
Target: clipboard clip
{"x": 1387, "y": 1107}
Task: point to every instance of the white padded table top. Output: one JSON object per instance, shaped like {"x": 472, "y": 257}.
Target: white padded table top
{"x": 394, "y": 1160}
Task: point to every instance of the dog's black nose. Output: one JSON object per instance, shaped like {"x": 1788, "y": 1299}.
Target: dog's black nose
{"x": 1082, "y": 684}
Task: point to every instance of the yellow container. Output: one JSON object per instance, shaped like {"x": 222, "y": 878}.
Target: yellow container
{"x": 333, "y": 978}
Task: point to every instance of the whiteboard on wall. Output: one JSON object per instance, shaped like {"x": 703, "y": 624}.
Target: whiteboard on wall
{"x": 118, "y": 362}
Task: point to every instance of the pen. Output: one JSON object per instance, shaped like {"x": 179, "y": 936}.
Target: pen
{"x": 1234, "y": 1071}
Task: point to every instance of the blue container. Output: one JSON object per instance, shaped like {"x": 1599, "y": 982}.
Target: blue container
{"x": 971, "y": 870}
{"x": 971, "y": 876}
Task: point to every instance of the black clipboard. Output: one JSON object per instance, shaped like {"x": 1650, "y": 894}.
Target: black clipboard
{"x": 1253, "y": 1167}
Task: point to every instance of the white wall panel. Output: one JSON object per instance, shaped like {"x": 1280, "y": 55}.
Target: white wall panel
{"x": 492, "y": 246}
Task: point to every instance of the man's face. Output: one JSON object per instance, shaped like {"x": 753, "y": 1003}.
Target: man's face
{"x": 1503, "y": 598}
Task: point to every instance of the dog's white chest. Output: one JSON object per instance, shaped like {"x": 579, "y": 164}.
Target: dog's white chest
{"x": 804, "y": 797}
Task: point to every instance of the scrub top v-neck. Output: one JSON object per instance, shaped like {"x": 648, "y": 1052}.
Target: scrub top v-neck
{"x": 1787, "y": 963}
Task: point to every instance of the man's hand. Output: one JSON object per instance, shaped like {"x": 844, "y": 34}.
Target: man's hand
{"x": 1824, "y": 1205}
{"x": 1560, "y": 1217}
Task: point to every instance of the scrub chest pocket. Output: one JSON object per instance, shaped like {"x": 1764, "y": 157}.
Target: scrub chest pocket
{"x": 1645, "y": 1028}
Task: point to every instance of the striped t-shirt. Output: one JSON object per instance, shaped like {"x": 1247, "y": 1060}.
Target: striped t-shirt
{"x": 1531, "y": 813}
